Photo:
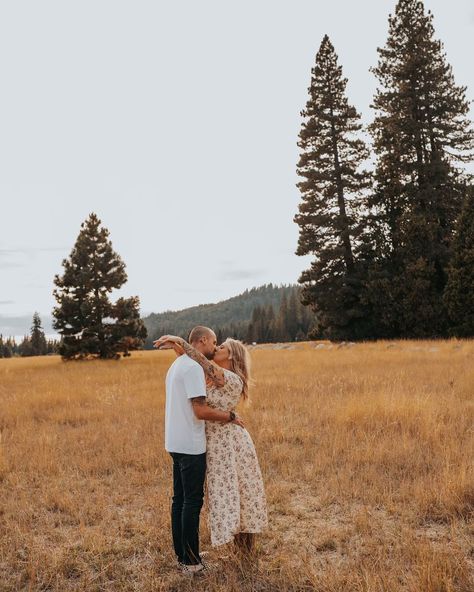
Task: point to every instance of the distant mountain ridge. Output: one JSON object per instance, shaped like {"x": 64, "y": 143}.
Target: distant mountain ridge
{"x": 233, "y": 311}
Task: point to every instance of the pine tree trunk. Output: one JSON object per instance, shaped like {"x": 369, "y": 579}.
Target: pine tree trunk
{"x": 345, "y": 235}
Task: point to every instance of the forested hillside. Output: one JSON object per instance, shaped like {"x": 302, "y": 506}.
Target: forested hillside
{"x": 267, "y": 313}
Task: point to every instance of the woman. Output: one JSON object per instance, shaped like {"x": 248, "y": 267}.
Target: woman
{"x": 236, "y": 496}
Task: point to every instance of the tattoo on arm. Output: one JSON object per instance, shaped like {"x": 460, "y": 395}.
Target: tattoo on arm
{"x": 198, "y": 401}
{"x": 211, "y": 370}
{"x": 198, "y": 404}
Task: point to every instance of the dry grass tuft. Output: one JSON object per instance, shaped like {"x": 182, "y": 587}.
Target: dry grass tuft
{"x": 366, "y": 452}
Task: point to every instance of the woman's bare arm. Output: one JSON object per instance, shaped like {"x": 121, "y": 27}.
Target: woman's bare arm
{"x": 213, "y": 371}
{"x": 178, "y": 349}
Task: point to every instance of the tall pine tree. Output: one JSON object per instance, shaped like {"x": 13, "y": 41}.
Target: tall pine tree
{"x": 421, "y": 134}
{"x": 332, "y": 192}
{"x": 89, "y": 323}
{"x": 38, "y": 343}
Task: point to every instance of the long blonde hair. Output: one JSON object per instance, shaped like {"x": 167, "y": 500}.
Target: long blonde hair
{"x": 240, "y": 363}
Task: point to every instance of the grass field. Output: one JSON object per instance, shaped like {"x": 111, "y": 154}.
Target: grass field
{"x": 366, "y": 451}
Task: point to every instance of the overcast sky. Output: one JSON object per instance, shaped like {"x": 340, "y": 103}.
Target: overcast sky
{"x": 176, "y": 122}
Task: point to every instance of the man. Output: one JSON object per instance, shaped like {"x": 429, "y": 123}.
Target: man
{"x": 185, "y": 440}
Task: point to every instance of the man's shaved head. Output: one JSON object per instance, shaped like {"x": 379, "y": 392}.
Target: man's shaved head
{"x": 204, "y": 340}
{"x": 198, "y": 333}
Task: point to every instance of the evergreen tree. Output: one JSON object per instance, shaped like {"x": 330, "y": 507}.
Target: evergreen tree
{"x": 333, "y": 193}
{"x": 253, "y": 332}
{"x": 292, "y": 320}
{"x": 234, "y": 331}
{"x": 25, "y": 349}
{"x": 262, "y": 325}
{"x": 281, "y": 333}
{"x": 128, "y": 331}
{"x": 306, "y": 318}
{"x": 421, "y": 133}
{"x": 270, "y": 324}
{"x": 37, "y": 337}
{"x": 6, "y": 347}
{"x": 459, "y": 292}
{"x": 85, "y": 316}
{"x": 220, "y": 335}
{"x": 52, "y": 346}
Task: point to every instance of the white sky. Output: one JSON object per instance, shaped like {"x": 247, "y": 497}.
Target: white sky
{"x": 176, "y": 122}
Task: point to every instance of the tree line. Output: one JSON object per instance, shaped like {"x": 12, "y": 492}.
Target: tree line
{"x": 392, "y": 245}
{"x": 291, "y": 321}
{"x": 34, "y": 344}
{"x": 267, "y": 313}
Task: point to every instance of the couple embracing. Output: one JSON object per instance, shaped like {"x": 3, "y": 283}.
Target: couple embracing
{"x": 203, "y": 434}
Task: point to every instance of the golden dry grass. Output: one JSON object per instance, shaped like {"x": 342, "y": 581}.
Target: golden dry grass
{"x": 367, "y": 455}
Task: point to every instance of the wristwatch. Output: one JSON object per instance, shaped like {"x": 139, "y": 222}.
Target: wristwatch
{"x": 232, "y": 416}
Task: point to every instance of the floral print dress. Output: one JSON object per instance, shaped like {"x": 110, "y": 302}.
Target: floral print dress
{"x": 235, "y": 492}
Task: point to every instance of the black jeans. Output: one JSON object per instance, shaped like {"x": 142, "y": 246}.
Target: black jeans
{"x": 189, "y": 471}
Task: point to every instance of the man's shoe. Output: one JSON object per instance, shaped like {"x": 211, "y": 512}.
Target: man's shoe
{"x": 191, "y": 570}
{"x": 202, "y": 554}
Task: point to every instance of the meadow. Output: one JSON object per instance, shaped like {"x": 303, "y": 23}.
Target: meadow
{"x": 366, "y": 451}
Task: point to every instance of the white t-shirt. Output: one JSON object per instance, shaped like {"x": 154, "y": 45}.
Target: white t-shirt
{"x": 184, "y": 432}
